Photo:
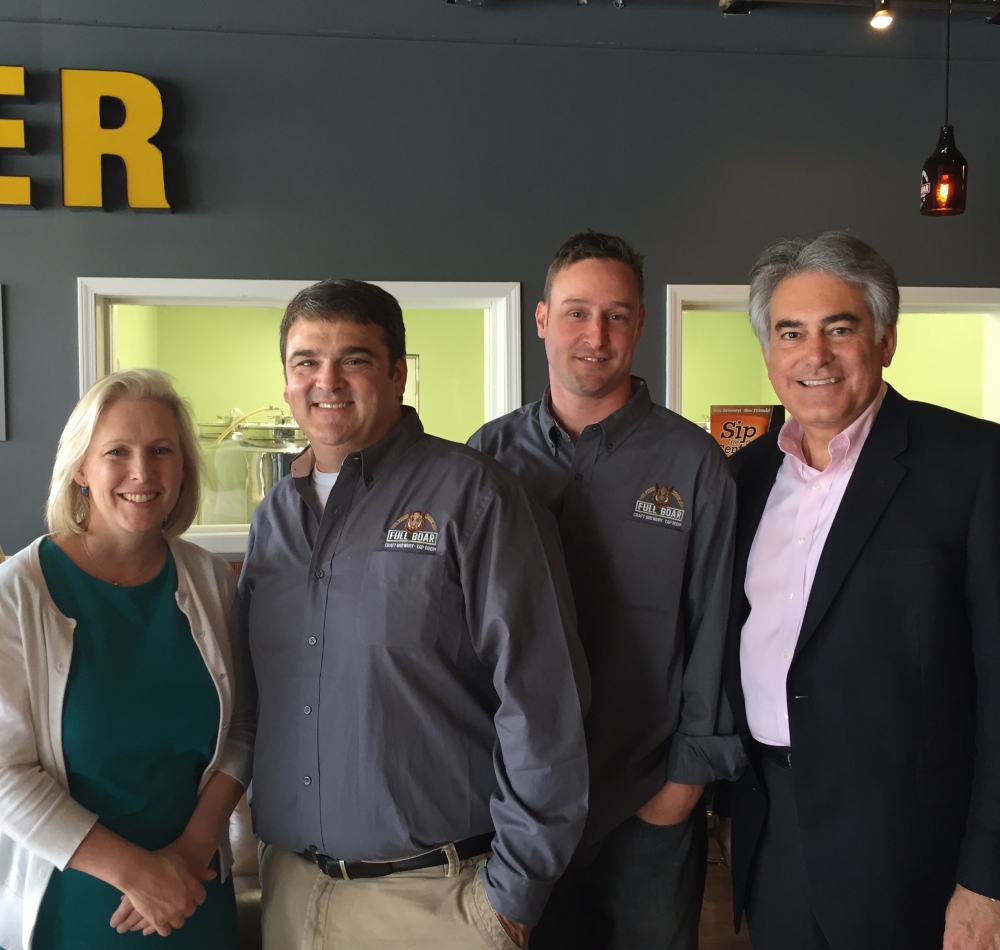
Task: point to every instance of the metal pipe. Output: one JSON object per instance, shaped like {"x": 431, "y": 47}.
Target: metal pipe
{"x": 240, "y": 421}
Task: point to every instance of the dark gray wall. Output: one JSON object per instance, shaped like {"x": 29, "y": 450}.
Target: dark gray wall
{"x": 413, "y": 139}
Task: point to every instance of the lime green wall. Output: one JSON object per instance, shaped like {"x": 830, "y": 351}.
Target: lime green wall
{"x": 991, "y": 367}
{"x": 226, "y": 357}
{"x": 136, "y": 339}
{"x": 720, "y": 364}
{"x": 220, "y": 357}
{"x": 939, "y": 359}
{"x": 223, "y": 357}
{"x": 451, "y": 347}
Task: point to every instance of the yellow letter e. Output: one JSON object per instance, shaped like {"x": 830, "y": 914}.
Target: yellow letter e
{"x": 15, "y": 190}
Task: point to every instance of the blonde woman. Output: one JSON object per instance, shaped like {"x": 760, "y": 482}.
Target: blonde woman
{"x": 126, "y": 743}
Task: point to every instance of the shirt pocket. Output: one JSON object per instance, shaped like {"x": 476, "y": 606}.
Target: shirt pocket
{"x": 649, "y": 565}
{"x": 400, "y": 604}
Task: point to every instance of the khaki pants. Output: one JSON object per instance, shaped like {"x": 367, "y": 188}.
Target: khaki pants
{"x": 441, "y": 908}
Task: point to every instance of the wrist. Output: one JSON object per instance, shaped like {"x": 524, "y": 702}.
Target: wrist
{"x": 134, "y": 868}
{"x": 198, "y": 847}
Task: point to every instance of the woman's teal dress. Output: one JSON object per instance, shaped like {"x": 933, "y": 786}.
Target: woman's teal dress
{"x": 140, "y": 720}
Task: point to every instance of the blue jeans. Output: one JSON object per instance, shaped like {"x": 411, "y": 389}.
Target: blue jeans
{"x": 643, "y": 891}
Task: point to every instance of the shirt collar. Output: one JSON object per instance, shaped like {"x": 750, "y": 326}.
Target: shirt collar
{"x": 854, "y": 436}
{"x": 615, "y": 428}
{"x": 399, "y": 438}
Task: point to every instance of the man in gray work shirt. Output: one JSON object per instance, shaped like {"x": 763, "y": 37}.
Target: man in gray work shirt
{"x": 646, "y": 508}
{"x": 420, "y": 772}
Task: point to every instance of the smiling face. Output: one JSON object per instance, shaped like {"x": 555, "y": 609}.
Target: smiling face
{"x": 823, "y": 360}
{"x": 133, "y": 468}
{"x": 340, "y": 387}
{"x": 591, "y": 324}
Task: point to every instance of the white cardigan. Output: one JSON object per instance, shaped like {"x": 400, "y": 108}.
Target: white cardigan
{"x": 41, "y": 826}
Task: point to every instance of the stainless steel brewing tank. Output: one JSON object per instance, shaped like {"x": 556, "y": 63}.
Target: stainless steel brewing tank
{"x": 241, "y": 469}
{"x": 270, "y": 450}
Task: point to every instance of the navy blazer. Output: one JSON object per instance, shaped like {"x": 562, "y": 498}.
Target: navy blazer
{"x": 894, "y": 687}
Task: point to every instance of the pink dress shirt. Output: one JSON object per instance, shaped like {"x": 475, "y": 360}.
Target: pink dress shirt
{"x": 782, "y": 564}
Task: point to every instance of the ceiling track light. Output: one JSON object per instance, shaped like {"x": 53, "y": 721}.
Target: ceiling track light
{"x": 881, "y": 15}
{"x": 944, "y": 176}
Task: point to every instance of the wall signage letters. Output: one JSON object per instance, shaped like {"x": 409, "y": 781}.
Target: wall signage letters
{"x": 85, "y": 140}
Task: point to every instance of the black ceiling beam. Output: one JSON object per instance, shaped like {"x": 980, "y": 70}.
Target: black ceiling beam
{"x": 979, "y": 7}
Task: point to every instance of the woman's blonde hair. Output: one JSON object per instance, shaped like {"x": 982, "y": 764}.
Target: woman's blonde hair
{"x": 68, "y": 509}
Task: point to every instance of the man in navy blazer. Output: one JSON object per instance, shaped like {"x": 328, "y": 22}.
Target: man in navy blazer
{"x": 863, "y": 660}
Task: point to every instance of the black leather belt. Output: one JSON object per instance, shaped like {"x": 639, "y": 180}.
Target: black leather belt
{"x": 349, "y": 870}
{"x": 777, "y": 753}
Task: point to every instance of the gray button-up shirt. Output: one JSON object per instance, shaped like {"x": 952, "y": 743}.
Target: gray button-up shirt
{"x": 418, "y": 672}
{"x": 646, "y": 507}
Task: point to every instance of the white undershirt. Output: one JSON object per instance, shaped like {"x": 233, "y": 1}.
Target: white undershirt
{"x": 323, "y": 483}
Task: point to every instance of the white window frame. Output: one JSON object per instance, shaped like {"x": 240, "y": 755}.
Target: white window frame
{"x": 501, "y": 302}
{"x": 733, "y": 297}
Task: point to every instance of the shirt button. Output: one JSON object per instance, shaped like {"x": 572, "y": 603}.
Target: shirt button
{"x": 320, "y": 573}
{"x": 307, "y": 781}
{"x": 309, "y": 709}
{"x": 850, "y": 461}
{"x": 784, "y": 656}
{"x": 817, "y": 487}
{"x": 311, "y": 641}
{"x": 609, "y": 446}
{"x": 802, "y": 539}
{"x": 579, "y": 476}
{"x": 791, "y": 596}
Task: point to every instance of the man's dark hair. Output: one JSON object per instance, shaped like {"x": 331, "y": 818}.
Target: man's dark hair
{"x": 593, "y": 245}
{"x": 352, "y": 300}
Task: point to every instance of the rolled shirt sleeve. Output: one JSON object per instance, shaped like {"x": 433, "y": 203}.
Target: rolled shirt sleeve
{"x": 704, "y": 748}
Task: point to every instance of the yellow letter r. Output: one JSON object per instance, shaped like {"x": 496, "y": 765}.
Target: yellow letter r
{"x": 85, "y": 141}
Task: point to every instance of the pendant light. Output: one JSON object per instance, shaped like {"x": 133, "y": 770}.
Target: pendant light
{"x": 943, "y": 179}
{"x": 881, "y": 15}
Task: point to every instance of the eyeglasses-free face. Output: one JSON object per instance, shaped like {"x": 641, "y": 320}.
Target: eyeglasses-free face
{"x": 823, "y": 359}
{"x": 341, "y": 389}
{"x": 133, "y": 468}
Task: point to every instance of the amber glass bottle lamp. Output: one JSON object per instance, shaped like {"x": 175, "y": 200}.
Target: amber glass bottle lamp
{"x": 943, "y": 180}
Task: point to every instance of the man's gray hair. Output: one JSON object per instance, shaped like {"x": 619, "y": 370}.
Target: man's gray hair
{"x": 835, "y": 253}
